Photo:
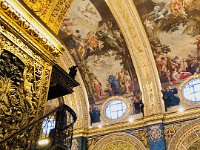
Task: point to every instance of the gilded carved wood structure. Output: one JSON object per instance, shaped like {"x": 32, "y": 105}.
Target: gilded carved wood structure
{"x": 27, "y": 52}
{"x": 50, "y": 11}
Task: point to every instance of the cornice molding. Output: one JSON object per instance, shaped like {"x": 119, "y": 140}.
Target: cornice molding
{"x": 18, "y": 19}
{"x": 141, "y": 123}
{"x": 51, "y": 12}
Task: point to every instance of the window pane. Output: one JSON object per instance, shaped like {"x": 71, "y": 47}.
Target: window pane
{"x": 191, "y": 91}
{"x": 115, "y": 109}
{"x": 47, "y": 125}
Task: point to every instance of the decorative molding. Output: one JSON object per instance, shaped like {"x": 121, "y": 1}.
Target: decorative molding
{"x": 31, "y": 91}
{"x": 50, "y": 11}
{"x": 121, "y": 126}
{"x": 145, "y": 121}
{"x": 116, "y": 141}
{"x": 130, "y": 24}
{"x": 20, "y": 46}
{"x": 186, "y": 115}
{"x": 185, "y": 136}
{"x": 17, "y": 18}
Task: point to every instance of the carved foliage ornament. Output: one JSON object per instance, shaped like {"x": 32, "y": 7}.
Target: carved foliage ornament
{"x": 24, "y": 85}
{"x": 118, "y": 141}
{"x": 28, "y": 28}
{"x": 185, "y": 136}
{"x": 50, "y": 11}
{"x": 16, "y": 94}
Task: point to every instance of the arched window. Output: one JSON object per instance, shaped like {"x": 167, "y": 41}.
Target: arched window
{"x": 47, "y": 125}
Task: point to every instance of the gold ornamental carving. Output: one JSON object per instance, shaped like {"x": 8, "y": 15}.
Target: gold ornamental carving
{"x": 17, "y": 17}
{"x": 117, "y": 141}
{"x": 185, "y": 136}
{"x": 50, "y": 11}
{"x": 129, "y": 22}
{"x": 24, "y": 83}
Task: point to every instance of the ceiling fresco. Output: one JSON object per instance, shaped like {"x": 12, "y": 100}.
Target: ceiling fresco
{"x": 173, "y": 29}
{"x": 95, "y": 41}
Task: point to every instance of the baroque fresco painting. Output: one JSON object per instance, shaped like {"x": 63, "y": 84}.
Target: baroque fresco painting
{"x": 173, "y": 29}
{"x": 95, "y": 41}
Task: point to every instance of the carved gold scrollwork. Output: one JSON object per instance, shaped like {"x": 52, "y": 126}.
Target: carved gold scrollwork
{"x": 24, "y": 83}
{"x": 18, "y": 93}
{"x": 30, "y": 28}
{"x": 185, "y": 136}
{"x": 50, "y": 11}
{"x": 117, "y": 141}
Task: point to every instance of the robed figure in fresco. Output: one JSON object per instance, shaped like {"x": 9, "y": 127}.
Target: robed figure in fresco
{"x": 170, "y": 98}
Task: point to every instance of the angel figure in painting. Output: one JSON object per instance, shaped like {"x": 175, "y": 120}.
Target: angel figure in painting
{"x": 198, "y": 45}
{"x": 178, "y": 9}
{"x": 97, "y": 87}
{"x": 93, "y": 43}
{"x": 81, "y": 48}
{"x": 160, "y": 13}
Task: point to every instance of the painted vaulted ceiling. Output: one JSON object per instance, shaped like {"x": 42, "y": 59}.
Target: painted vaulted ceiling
{"x": 139, "y": 51}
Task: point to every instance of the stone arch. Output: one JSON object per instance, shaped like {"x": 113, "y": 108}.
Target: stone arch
{"x": 78, "y": 99}
{"x": 185, "y": 136}
{"x": 128, "y": 20}
{"x": 119, "y": 141}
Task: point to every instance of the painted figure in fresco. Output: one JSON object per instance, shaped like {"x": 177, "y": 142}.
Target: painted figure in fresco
{"x": 161, "y": 62}
{"x": 198, "y": 45}
{"x": 94, "y": 115}
{"x": 67, "y": 25}
{"x": 93, "y": 43}
{"x": 108, "y": 90}
{"x": 183, "y": 65}
{"x": 178, "y": 9}
{"x": 160, "y": 13}
{"x": 136, "y": 87}
{"x": 97, "y": 87}
{"x": 111, "y": 38}
{"x": 170, "y": 98}
{"x": 81, "y": 50}
{"x": 192, "y": 64}
{"x": 115, "y": 84}
{"x": 128, "y": 83}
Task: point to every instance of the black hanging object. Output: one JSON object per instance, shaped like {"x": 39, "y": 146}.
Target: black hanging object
{"x": 62, "y": 83}
{"x": 73, "y": 71}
